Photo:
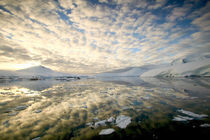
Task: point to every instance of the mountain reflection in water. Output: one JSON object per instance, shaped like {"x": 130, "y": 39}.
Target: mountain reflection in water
{"x": 71, "y": 110}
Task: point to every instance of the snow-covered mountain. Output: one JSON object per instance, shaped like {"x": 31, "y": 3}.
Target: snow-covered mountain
{"x": 36, "y": 71}
{"x": 127, "y": 72}
{"x": 185, "y": 69}
{"x": 178, "y": 68}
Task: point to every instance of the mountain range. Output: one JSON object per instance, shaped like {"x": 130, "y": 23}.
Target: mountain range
{"x": 36, "y": 71}
{"x": 178, "y": 68}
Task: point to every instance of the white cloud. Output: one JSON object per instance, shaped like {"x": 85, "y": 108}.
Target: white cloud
{"x": 96, "y": 37}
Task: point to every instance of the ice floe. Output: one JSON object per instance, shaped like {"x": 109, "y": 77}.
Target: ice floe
{"x": 37, "y": 138}
{"x": 123, "y": 121}
{"x": 89, "y": 124}
{"x": 100, "y": 123}
{"x": 191, "y": 114}
{"x": 95, "y": 119}
{"x": 111, "y": 120}
{"x": 182, "y": 118}
{"x": 106, "y": 131}
{"x": 205, "y": 125}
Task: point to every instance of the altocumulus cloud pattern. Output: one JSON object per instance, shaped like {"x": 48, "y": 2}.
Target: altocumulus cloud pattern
{"x": 91, "y": 36}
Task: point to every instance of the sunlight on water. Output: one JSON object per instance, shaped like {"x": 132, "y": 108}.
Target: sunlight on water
{"x": 72, "y": 109}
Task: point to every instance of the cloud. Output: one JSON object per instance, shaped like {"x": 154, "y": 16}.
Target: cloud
{"x": 80, "y": 36}
{"x": 203, "y": 22}
{"x": 157, "y": 4}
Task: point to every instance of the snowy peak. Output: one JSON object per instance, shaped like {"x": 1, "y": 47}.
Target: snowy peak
{"x": 35, "y": 71}
{"x": 40, "y": 71}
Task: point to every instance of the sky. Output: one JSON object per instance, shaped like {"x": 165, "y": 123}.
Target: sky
{"x": 93, "y": 36}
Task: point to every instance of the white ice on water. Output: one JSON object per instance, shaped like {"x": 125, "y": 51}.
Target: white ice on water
{"x": 191, "y": 114}
{"x": 100, "y": 123}
{"x": 106, "y": 131}
{"x": 182, "y": 118}
{"x": 123, "y": 121}
{"x": 205, "y": 125}
{"x": 111, "y": 120}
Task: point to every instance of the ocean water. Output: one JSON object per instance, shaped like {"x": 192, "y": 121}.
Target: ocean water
{"x": 131, "y": 107}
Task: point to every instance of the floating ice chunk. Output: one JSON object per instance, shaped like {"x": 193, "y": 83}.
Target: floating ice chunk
{"x": 100, "y": 123}
{"x": 90, "y": 124}
{"x": 179, "y": 119}
{"x": 18, "y": 108}
{"x": 95, "y": 119}
{"x": 205, "y": 125}
{"x": 192, "y": 114}
{"x": 182, "y": 118}
{"x": 111, "y": 120}
{"x": 106, "y": 131}
{"x": 123, "y": 121}
{"x": 37, "y": 138}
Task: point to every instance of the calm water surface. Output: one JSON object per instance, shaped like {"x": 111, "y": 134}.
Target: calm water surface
{"x": 51, "y": 109}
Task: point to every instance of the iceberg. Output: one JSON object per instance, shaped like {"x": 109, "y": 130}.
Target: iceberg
{"x": 182, "y": 118}
{"x": 192, "y": 114}
{"x": 100, "y": 123}
{"x": 37, "y": 138}
{"x": 205, "y": 125}
{"x": 111, "y": 120}
{"x": 123, "y": 121}
{"x": 90, "y": 124}
{"x": 106, "y": 131}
